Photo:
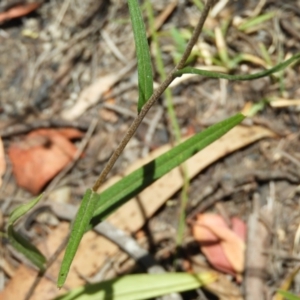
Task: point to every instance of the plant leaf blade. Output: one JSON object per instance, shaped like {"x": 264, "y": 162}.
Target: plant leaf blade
{"x": 252, "y": 22}
{"x": 23, "y": 209}
{"x": 131, "y": 185}
{"x": 279, "y": 67}
{"x": 26, "y": 248}
{"x": 82, "y": 219}
{"x": 140, "y": 286}
{"x": 145, "y": 76}
{"x": 288, "y": 295}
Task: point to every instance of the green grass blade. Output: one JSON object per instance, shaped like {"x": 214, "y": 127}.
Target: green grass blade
{"x": 22, "y": 209}
{"x": 210, "y": 74}
{"x": 26, "y": 248}
{"x": 198, "y": 4}
{"x": 131, "y": 185}
{"x": 82, "y": 219}
{"x": 145, "y": 76}
{"x": 180, "y": 44}
{"x": 179, "y": 40}
{"x": 19, "y": 242}
{"x": 140, "y": 286}
{"x": 288, "y": 295}
{"x": 256, "y": 21}
{"x": 265, "y": 54}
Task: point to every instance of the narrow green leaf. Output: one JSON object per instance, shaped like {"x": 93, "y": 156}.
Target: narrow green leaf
{"x": 140, "y": 286}
{"x": 256, "y": 21}
{"x": 178, "y": 39}
{"x": 131, "y": 185}
{"x": 288, "y": 295}
{"x": 82, "y": 219}
{"x": 199, "y": 4}
{"x": 265, "y": 54}
{"x": 26, "y": 248}
{"x": 22, "y": 209}
{"x": 279, "y": 67}
{"x": 145, "y": 75}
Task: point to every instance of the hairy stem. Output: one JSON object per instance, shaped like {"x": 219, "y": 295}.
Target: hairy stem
{"x": 170, "y": 77}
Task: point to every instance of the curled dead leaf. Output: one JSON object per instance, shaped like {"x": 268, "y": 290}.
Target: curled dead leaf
{"x": 224, "y": 247}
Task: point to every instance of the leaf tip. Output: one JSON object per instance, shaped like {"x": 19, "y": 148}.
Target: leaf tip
{"x": 61, "y": 280}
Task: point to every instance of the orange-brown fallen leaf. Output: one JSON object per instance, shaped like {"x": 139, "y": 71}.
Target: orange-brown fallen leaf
{"x": 41, "y": 155}
{"x": 17, "y": 11}
{"x": 224, "y": 247}
{"x": 2, "y": 161}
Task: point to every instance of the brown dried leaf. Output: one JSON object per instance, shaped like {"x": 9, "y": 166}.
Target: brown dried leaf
{"x": 41, "y": 155}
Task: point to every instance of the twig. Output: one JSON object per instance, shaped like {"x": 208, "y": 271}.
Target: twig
{"x": 258, "y": 8}
{"x": 127, "y": 112}
{"x": 217, "y": 196}
{"x": 137, "y": 121}
{"x": 163, "y": 16}
{"x": 151, "y": 129}
{"x": 112, "y": 47}
{"x": 290, "y": 158}
{"x": 62, "y": 11}
{"x": 195, "y": 35}
{"x": 46, "y": 56}
{"x": 51, "y": 260}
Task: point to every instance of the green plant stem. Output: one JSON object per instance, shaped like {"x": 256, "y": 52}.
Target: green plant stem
{"x": 195, "y": 35}
{"x": 173, "y": 120}
{"x": 157, "y": 93}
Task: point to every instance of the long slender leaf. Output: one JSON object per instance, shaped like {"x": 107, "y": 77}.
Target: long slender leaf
{"x": 288, "y": 295}
{"x": 256, "y": 21}
{"x": 79, "y": 226}
{"x": 279, "y": 67}
{"x": 23, "y": 209}
{"x": 131, "y": 185}
{"x": 145, "y": 75}
{"x": 19, "y": 242}
{"x": 140, "y": 286}
{"x": 26, "y": 248}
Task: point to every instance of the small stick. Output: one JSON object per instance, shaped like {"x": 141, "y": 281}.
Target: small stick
{"x": 137, "y": 121}
{"x": 80, "y": 150}
{"x": 51, "y": 260}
